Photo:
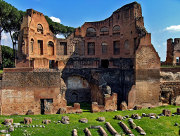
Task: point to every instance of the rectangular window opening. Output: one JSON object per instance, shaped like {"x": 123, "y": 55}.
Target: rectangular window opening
{"x": 116, "y": 45}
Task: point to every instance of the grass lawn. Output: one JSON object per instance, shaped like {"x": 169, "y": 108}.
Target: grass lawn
{"x": 153, "y": 127}
{"x": 170, "y": 66}
{"x": 1, "y": 71}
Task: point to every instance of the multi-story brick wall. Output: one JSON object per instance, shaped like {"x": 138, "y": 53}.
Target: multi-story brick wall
{"x": 99, "y": 59}
{"x": 115, "y": 37}
{"x": 37, "y": 43}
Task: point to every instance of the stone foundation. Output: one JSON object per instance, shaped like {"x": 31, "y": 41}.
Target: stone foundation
{"x": 170, "y": 87}
{"x": 110, "y": 104}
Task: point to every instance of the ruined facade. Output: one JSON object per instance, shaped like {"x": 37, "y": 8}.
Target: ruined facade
{"x": 105, "y": 62}
{"x": 170, "y": 81}
{"x": 173, "y": 52}
{"x": 170, "y": 86}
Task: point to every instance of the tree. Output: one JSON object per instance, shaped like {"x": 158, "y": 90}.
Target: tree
{"x": 12, "y": 26}
{"x": 5, "y": 10}
{"x": 10, "y": 22}
{"x": 7, "y": 57}
{"x": 58, "y": 28}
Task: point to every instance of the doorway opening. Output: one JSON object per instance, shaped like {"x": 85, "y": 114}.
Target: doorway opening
{"x": 40, "y": 44}
{"x": 104, "y": 63}
{"x": 46, "y": 105}
{"x": 74, "y": 96}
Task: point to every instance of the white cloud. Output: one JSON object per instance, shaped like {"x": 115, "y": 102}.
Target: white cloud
{"x": 164, "y": 43}
{"x": 54, "y": 19}
{"x": 6, "y": 39}
{"x": 175, "y": 28}
{"x": 4, "y": 36}
{"x": 60, "y": 36}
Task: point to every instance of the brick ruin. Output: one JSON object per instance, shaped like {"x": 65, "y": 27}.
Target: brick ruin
{"x": 173, "y": 52}
{"x": 104, "y": 63}
{"x": 170, "y": 75}
{"x": 170, "y": 86}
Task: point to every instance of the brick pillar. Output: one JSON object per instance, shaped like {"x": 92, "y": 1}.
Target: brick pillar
{"x": 169, "y": 55}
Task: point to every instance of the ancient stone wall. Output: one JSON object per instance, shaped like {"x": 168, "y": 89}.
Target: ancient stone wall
{"x": 37, "y": 44}
{"x": 119, "y": 80}
{"x": 101, "y": 58}
{"x": 110, "y": 104}
{"x": 147, "y": 84}
{"x": 23, "y": 91}
{"x": 105, "y": 32}
{"x": 112, "y": 38}
{"x": 173, "y": 52}
{"x": 170, "y": 87}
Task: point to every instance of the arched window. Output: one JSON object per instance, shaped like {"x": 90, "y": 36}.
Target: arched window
{"x": 40, "y": 28}
{"x": 116, "y": 30}
{"x": 31, "y": 45}
{"x": 50, "y": 44}
{"x": 126, "y": 44}
{"x": 90, "y": 32}
{"x": 104, "y": 48}
{"x": 51, "y": 48}
{"x": 104, "y": 31}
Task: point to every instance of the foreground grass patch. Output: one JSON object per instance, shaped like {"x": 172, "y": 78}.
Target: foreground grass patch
{"x": 155, "y": 127}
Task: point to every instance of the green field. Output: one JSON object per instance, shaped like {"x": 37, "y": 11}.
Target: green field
{"x": 1, "y": 71}
{"x": 154, "y": 127}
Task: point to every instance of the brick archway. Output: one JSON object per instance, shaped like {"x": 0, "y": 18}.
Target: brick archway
{"x": 78, "y": 90}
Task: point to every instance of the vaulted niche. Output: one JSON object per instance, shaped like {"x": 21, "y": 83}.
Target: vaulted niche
{"x": 40, "y": 28}
{"x": 116, "y": 30}
{"x": 91, "y": 32}
{"x": 104, "y": 31}
{"x": 78, "y": 90}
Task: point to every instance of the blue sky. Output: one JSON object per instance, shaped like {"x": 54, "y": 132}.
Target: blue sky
{"x": 161, "y": 17}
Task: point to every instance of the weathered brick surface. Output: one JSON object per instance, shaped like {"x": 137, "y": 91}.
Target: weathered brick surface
{"x": 31, "y": 79}
{"x": 110, "y": 104}
{"x": 117, "y": 54}
{"x": 173, "y": 48}
{"x": 147, "y": 89}
{"x": 170, "y": 86}
{"x": 74, "y": 109}
{"x": 166, "y": 112}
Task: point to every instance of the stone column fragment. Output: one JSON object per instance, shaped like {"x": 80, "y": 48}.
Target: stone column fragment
{"x": 140, "y": 130}
{"x": 125, "y": 128}
{"x": 87, "y": 132}
{"x": 74, "y": 132}
{"x": 102, "y": 131}
{"x": 111, "y": 129}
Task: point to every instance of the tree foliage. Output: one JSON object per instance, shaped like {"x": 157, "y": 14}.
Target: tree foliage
{"x": 10, "y": 22}
{"x": 58, "y": 28}
{"x": 5, "y": 10}
{"x": 7, "y": 57}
